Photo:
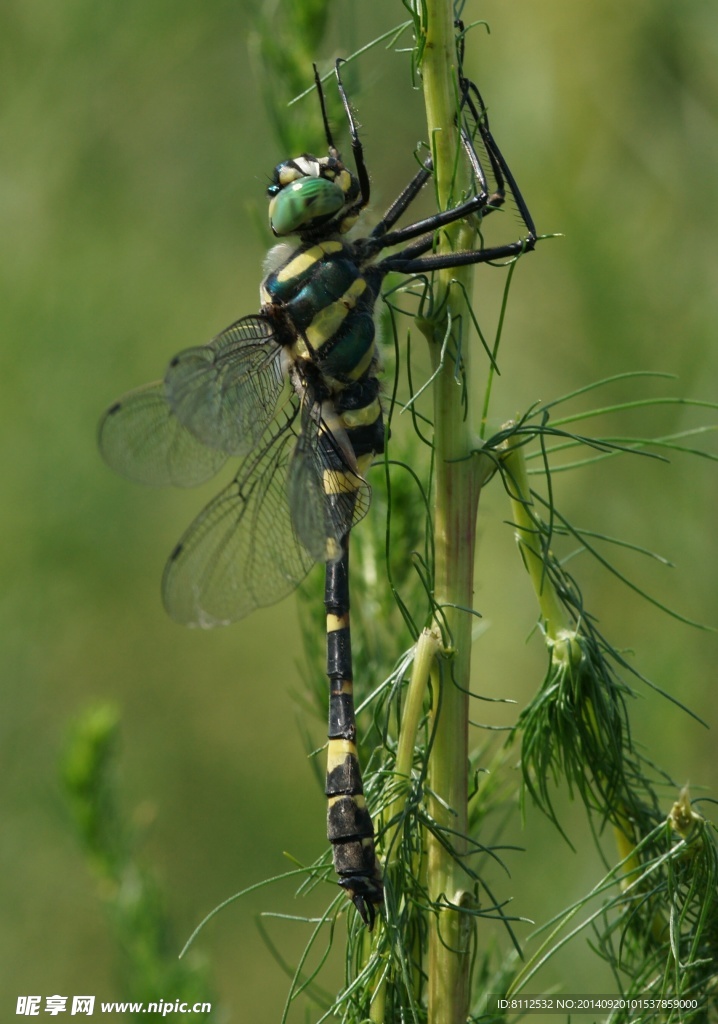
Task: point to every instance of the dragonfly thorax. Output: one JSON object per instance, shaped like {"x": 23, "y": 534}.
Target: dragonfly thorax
{"x": 324, "y": 300}
{"x": 312, "y": 197}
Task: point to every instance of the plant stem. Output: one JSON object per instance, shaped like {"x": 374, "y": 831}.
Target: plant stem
{"x": 427, "y": 647}
{"x": 556, "y": 621}
{"x": 455, "y": 506}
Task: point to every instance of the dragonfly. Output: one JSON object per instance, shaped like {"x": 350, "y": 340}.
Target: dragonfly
{"x": 294, "y": 392}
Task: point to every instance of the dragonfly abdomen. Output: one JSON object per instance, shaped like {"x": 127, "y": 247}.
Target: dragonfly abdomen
{"x": 349, "y": 825}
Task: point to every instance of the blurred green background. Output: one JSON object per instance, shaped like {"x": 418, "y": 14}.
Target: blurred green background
{"x": 134, "y": 162}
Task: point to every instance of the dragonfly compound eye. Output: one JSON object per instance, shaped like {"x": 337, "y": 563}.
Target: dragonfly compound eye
{"x": 303, "y": 203}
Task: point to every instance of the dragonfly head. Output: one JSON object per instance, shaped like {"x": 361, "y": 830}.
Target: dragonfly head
{"x": 311, "y": 196}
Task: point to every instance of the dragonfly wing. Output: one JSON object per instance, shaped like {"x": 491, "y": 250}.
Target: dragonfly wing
{"x": 225, "y": 392}
{"x": 141, "y": 438}
{"x": 242, "y": 552}
{"x": 327, "y": 494}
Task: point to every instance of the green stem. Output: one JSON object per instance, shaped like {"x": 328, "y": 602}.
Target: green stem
{"x": 455, "y": 506}
{"x": 427, "y": 647}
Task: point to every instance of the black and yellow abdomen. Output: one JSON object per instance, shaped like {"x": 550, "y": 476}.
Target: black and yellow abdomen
{"x": 349, "y": 825}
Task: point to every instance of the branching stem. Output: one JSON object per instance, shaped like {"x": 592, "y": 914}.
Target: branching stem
{"x": 556, "y": 620}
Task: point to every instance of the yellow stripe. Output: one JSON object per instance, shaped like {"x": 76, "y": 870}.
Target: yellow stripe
{"x": 364, "y": 462}
{"x": 346, "y": 687}
{"x": 299, "y": 349}
{"x": 348, "y": 222}
{"x": 335, "y": 622}
{"x": 338, "y": 481}
{"x": 362, "y": 417}
{"x": 344, "y": 180}
{"x": 332, "y": 550}
{"x": 304, "y": 260}
{"x": 363, "y": 364}
{"x": 328, "y": 320}
{"x": 299, "y": 264}
{"x": 359, "y": 800}
{"x": 337, "y": 752}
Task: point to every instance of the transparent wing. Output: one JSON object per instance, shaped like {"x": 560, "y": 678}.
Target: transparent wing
{"x": 141, "y": 438}
{"x": 225, "y": 392}
{"x": 242, "y": 551}
{"x": 327, "y": 496}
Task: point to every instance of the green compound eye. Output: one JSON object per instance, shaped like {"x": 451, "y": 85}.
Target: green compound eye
{"x": 302, "y": 202}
